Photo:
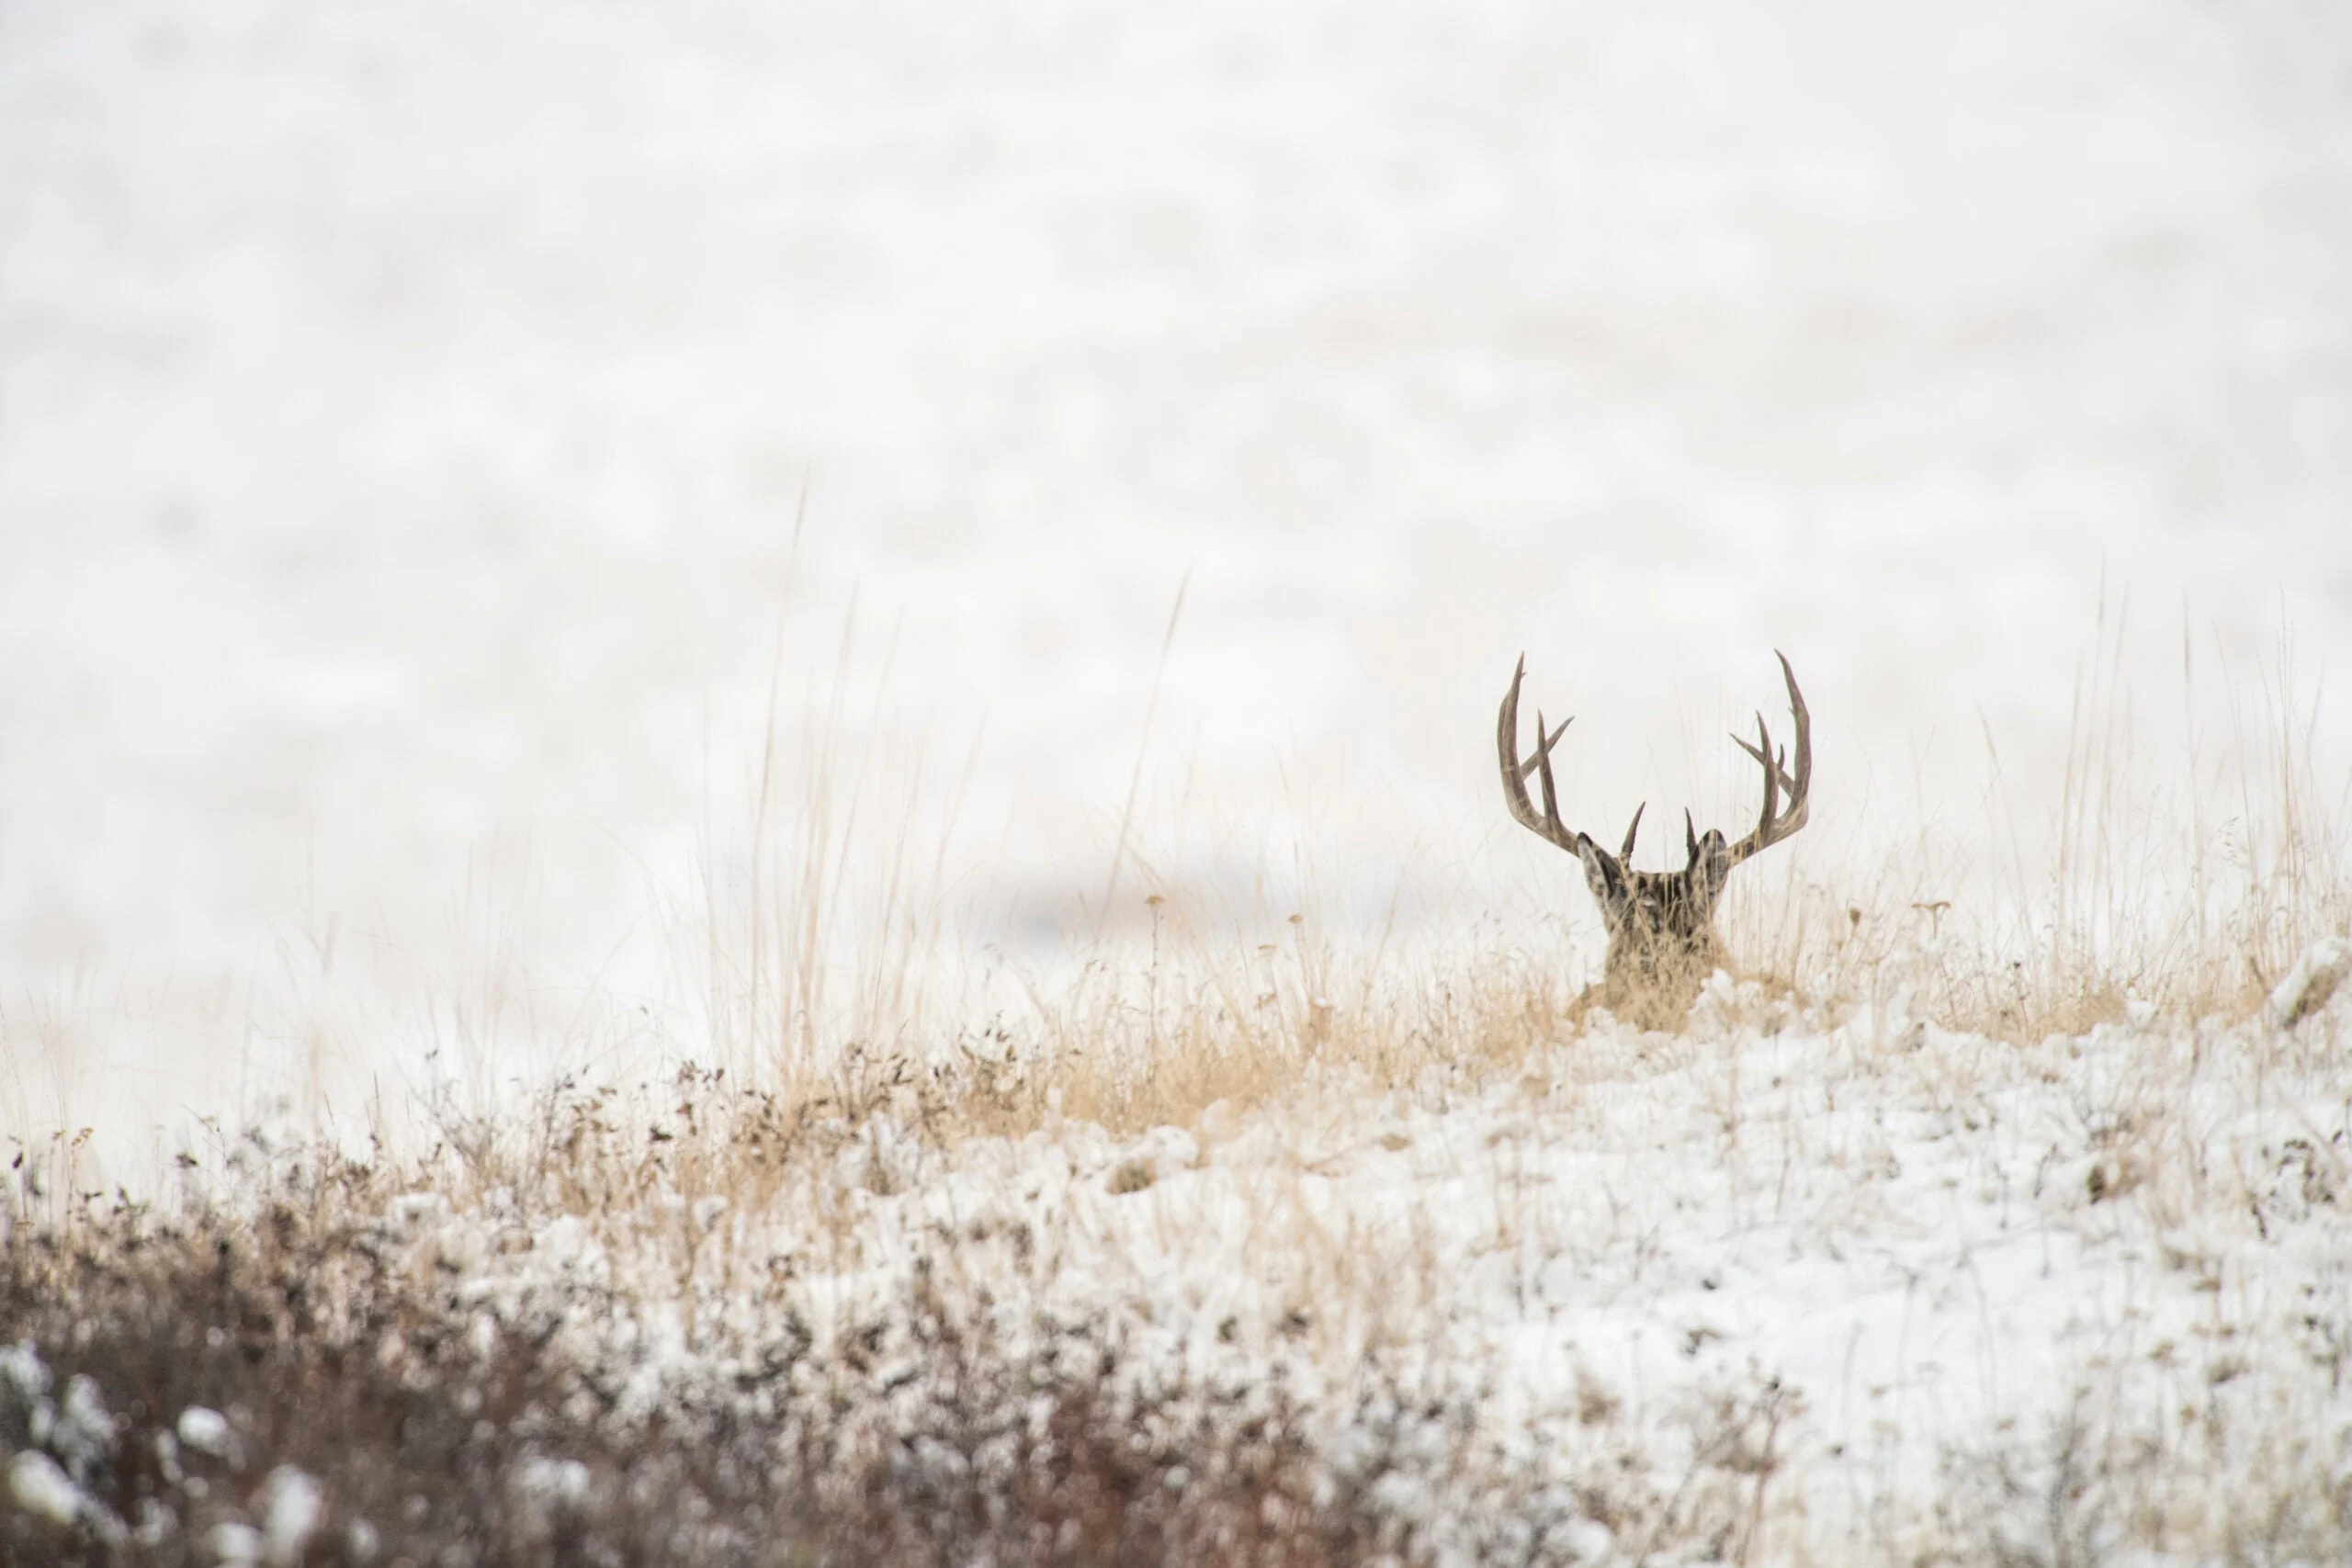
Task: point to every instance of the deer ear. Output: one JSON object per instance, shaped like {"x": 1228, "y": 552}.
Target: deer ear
{"x": 1605, "y": 877}
{"x": 1711, "y": 863}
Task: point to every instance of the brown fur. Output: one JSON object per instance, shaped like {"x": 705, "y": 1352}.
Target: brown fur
{"x": 1662, "y": 941}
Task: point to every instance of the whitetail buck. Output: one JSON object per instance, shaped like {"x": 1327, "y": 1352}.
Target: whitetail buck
{"x": 1662, "y": 942}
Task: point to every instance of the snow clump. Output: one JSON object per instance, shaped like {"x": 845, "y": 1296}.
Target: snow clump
{"x": 206, "y": 1431}
{"x": 292, "y": 1509}
{"x": 2311, "y": 982}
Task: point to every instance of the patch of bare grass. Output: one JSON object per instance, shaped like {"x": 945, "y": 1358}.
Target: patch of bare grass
{"x": 313, "y": 1367}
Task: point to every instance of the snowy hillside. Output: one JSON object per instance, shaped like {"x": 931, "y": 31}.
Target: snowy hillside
{"x": 1799, "y": 1285}
{"x": 748, "y": 803}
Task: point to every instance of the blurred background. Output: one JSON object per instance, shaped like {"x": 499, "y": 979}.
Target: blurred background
{"x": 438, "y": 443}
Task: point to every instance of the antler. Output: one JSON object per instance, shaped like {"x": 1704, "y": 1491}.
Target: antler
{"x": 1775, "y": 823}
{"x": 1515, "y": 772}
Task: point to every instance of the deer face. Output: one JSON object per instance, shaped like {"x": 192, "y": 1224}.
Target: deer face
{"x": 1662, "y": 942}
{"x": 1658, "y": 911}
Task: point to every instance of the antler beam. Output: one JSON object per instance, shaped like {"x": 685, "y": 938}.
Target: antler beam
{"x": 1548, "y": 825}
{"x": 1775, "y": 823}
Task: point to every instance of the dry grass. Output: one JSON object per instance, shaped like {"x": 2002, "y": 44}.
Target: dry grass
{"x": 846, "y": 1067}
{"x": 438, "y": 1442}
{"x": 2177, "y": 876}
{"x": 331, "y": 1310}
{"x": 2179, "y": 880}
{"x": 347, "y": 1318}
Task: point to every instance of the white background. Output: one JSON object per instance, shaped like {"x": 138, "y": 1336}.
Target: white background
{"x": 403, "y": 413}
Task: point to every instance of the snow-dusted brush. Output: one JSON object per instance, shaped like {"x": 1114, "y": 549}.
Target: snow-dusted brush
{"x": 1662, "y": 941}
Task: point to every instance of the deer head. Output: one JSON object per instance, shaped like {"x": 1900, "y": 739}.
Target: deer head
{"x": 1662, "y": 942}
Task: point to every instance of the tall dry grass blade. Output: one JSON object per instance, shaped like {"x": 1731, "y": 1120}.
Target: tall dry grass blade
{"x": 1143, "y": 749}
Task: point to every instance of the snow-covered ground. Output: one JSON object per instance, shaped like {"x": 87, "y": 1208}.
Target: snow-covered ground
{"x": 1908, "y": 1277}
{"x": 1799, "y": 1285}
{"x": 438, "y": 442}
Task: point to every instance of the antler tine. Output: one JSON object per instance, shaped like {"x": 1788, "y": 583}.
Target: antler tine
{"x": 1774, "y": 823}
{"x": 1552, "y": 827}
{"x": 1788, "y": 784}
{"x": 1543, "y": 743}
{"x": 1631, "y": 829}
{"x": 1515, "y": 772}
{"x": 1691, "y": 835}
{"x": 1801, "y": 786}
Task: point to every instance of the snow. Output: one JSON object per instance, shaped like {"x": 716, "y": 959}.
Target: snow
{"x": 2310, "y": 984}
{"x": 402, "y": 429}
{"x": 206, "y": 1431}
{"x": 549, "y": 1490}
{"x": 1897, "y": 1275}
{"x": 237, "y": 1545}
{"x": 84, "y": 1434}
{"x": 51, "y": 1454}
{"x": 1861, "y": 1288}
{"x": 41, "y": 1487}
{"x": 293, "y": 1508}
{"x": 24, "y": 1408}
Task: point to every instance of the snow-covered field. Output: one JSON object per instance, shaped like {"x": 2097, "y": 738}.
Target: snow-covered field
{"x": 545, "y": 543}
{"x": 1799, "y": 1284}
